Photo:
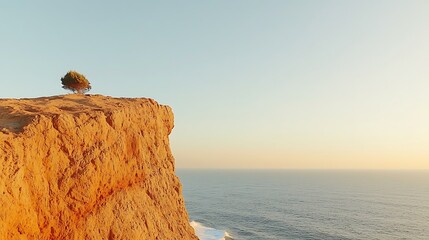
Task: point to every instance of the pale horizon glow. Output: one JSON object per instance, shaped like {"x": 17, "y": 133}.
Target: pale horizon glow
{"x": 270, "y": 84}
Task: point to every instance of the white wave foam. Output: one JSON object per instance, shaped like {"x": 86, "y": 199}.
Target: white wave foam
{"x": 208, "y": 233}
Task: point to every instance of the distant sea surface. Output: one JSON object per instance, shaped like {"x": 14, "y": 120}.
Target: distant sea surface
{"x": 307, "y": 204}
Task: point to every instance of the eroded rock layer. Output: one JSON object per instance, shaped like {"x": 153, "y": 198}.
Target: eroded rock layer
{"x": 88, "y": 167}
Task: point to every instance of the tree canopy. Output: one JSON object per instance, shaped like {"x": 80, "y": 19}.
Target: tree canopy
{"x": 76, "y": 82}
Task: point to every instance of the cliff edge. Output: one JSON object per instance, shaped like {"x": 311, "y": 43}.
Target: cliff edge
{"x": 88, "y": 167}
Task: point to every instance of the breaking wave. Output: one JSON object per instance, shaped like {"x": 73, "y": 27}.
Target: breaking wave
{"x": 208, "y": 233}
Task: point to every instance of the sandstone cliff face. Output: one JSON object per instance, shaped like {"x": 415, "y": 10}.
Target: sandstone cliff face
{"x": 88, "y": 167}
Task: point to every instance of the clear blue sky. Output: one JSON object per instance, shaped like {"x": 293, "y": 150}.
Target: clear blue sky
{"x": 253, "y": 84}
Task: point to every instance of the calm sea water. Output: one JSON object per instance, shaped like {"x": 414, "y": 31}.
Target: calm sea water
{"x": 295, "y": 204}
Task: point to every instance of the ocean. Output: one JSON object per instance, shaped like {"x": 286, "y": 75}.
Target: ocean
{"x": 307, "y": 204}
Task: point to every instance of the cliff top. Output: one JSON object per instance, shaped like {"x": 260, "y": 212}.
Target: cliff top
{"x": 89, "y": 167}
{"x": 15, "y": 114}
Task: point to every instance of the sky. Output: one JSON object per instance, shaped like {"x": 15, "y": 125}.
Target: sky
{"x": 253, "y": 84}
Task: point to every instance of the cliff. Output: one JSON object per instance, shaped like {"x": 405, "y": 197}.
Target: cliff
{"x": 88, "y": 167}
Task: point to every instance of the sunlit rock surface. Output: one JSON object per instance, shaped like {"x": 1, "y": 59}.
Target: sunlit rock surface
{"x": 88, "y": 167}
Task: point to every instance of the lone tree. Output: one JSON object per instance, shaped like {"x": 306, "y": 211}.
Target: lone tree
{"x": 76, "y": 82}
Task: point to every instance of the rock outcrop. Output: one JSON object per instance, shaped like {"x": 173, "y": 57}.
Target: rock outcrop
{"x": 88, "y": 167}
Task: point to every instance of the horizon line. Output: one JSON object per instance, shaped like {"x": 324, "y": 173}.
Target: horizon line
{"x": 308, "y": 169}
